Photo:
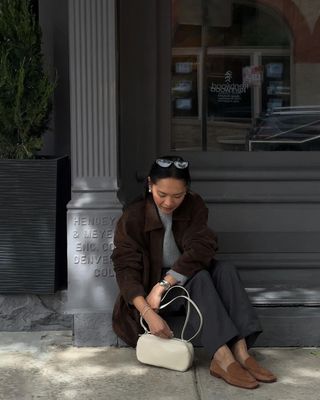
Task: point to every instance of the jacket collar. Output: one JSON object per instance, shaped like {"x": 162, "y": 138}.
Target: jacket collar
{"x": 152, "y": 219}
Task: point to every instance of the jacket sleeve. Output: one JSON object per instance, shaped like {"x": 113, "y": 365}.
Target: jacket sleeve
{"x": 127, "y": 259}
{"x": 199, "y": 242}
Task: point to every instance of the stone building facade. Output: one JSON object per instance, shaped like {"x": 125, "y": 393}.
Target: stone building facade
{"x": 140, "y": 78}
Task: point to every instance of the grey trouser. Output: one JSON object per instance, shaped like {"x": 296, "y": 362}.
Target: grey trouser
{"x": 226, "y": 309}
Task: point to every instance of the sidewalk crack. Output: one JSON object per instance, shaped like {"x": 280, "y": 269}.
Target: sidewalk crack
{"x": 196, "y": 380}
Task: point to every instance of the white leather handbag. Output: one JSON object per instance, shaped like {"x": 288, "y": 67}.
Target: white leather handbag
{"x": 176, "y": 353}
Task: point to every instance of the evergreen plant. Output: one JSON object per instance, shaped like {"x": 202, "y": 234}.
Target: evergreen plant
{"x": 26, "y": 90}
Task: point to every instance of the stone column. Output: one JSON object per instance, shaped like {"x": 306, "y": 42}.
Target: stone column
{"x": 94, "y": 207}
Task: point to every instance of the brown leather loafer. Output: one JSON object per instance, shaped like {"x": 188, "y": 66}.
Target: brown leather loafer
{"x": 235, "y": 375}
{"x": 261, "y": 374}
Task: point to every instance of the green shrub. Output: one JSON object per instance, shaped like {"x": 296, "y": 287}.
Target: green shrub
{"x": 25, "y": 88}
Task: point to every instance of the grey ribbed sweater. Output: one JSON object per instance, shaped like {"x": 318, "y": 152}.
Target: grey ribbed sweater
{"x": 170, "y": 249}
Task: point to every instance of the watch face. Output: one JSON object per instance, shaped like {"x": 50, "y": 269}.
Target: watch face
{"x": 165, "y": 284}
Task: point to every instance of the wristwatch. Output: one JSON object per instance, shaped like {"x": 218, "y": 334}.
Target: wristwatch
{"x": 165, "y": 284}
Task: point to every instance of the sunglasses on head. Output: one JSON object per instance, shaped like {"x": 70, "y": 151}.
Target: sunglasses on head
{"x": 162, "y": 162}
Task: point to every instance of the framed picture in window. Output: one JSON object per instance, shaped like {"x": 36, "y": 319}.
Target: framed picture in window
{"x": 274, "y": 70}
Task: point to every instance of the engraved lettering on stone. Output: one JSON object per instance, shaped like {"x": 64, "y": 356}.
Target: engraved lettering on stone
{"x": 104, "y": 272}
{"x": 94, "y": 243}
{"x": 82, "y": 247}
{"x": 93, "y": 221}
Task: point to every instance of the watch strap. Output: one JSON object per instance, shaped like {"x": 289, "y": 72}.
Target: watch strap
{"x": 165, "y": 284}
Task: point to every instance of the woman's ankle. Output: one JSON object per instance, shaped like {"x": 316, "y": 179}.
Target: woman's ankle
{"x": 224, "y": 357}
{"x": 240, "y": 351}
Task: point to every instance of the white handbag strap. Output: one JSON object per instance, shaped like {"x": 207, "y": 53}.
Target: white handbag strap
{"x": 189, "y": 301}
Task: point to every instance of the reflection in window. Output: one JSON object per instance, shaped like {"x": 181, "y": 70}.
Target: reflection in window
{"x": 287, "y": 128}
{"x": 231, "y": 69}
{"x": 185, "y": 87}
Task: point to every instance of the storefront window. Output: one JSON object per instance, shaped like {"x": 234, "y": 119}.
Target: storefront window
{"x": 244, "y": 76}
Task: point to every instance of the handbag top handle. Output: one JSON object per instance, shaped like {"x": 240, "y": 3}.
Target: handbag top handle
{"x": 189, "y": 301}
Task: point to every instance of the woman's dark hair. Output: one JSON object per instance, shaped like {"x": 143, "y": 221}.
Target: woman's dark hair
{"x": 157, "y": 172}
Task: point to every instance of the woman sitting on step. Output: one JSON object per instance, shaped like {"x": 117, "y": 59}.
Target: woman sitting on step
{"x": 162, "y": 240}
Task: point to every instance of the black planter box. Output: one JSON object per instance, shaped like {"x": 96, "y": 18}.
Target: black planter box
{"x": 33, "y": 233}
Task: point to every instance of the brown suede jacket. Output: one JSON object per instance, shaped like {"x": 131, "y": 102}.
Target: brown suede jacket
{"x": 137, "y": 256}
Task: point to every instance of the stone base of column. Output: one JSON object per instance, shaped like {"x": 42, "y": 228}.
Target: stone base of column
{"x": 92, "y": 287}
{"x": 94, "y": 329}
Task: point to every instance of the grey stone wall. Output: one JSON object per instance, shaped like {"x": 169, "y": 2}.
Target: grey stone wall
{"x": 34, "y": 313}
{"x": 27, "y": 313}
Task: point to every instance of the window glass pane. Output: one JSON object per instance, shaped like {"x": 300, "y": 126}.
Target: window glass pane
{"x": 186, "y": 122}
{"x": 251, "y": 26}
{"x": 229, "y": 102}
{"x": 185, "y": 86}
{"x": 276, "y": 83}
{"x": 237, "y": 69}
{"x": 292, "y": 128}
{"x": 187, "y": 36}
{"x": 229, "y": 98}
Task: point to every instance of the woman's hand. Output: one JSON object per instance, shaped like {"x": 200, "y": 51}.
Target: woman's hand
{"x": 158, "y": 325}
{"x": 154, "y": 297}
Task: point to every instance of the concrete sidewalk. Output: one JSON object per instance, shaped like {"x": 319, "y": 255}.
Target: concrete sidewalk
{"x": 45, "y": 365}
